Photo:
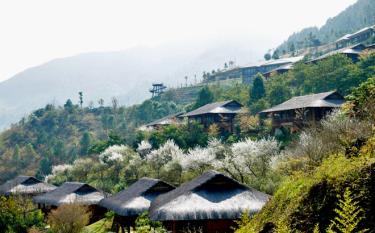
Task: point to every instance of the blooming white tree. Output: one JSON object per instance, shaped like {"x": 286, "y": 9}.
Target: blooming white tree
{"x": 201, "y": 159}
{"x": 58, "y": 169}
{"x": 165, "y": 156}
{"x": 116, "y": 153}
{"x": 249, "y": 157}
{"x": 144, "y": 148}
{"x": 198, "y": 159}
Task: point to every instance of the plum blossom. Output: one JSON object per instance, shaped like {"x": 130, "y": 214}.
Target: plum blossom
{"x": 116, "y": 153}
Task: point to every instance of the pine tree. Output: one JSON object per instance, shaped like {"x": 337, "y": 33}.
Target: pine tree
{"x": 205, "y": 96}
{"x": 349, "y": 215}
{"x": 85, "y": 143}
{"x": 257, "y": 90}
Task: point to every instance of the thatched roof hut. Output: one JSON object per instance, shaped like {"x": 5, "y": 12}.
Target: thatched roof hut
{"x": 71, "y": 193}
{"x": 136, "y": 199}
{"x": 25, "y": 185}
{"x": 210, "y": 202}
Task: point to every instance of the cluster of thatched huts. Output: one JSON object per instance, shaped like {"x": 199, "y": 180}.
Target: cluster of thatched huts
{"x": 209, "y": 203}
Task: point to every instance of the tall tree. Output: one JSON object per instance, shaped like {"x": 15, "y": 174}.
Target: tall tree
{"x": 85, "y": 143}
{"x": 257, "y": 90}
{"x": 80, "y": 98}
{"x": 205, "y": 96}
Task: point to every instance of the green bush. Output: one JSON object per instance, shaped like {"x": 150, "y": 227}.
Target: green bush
{"x": 18, "y": 214}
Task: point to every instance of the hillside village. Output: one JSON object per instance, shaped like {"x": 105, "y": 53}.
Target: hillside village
{"x": 283, "y": 145}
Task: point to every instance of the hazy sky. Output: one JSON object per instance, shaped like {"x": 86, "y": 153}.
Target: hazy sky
{"x": 34, "y": 32}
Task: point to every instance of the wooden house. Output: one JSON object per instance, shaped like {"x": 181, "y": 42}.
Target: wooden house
{"x": 133, "y": 201}
{"x": 304, "y": 110}
{"x": 247, "y": 72}
{"x": 73, "y": 193}
{"x": 353, "y": 52}
{"x": 25, "y": 185}
{"x": 220, "y": 113}
{"x": 280, "y": 70}
{"x": 355, "y": 38}
{"x": 209, "y": 203}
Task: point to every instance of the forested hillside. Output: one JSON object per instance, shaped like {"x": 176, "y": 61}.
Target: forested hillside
{"x": 57, "y": 135}
{"x": 359, "y": 15}
{"x": 60, "y": 134}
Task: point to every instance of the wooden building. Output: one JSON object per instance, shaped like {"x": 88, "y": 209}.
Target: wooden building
{"x": 353, "y": 52}
{"x": 133, "y": 201}
{"x": 280, "y": 70}
{"x": 173, "y": 119}
{"x": 73, "y": 193}
{"x": 304, "y": 110}
{"x": 209, "y": 204}
{"x": 26, "y": 186}
{"x": 247, "y": 72}
{"x": 220, "y": 113}
{"x": 355, "y": 38}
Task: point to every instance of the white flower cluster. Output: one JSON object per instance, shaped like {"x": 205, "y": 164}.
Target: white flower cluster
{"x": 114, "y": 153}
{"x": 166, "y": 154}
{"x": 58, "y": 169}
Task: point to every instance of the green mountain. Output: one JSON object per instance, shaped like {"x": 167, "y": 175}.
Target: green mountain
{"x": 355, "y": 17}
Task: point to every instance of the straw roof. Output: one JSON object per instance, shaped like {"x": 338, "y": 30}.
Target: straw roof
{"x": 69, "y": 193}
{"x": 330, "y": 99}
{"x": 229, "y": 106}
{"x": 25, "y": 185}
{"x": 210, "y": 196}
{"x": 137, "y": 198}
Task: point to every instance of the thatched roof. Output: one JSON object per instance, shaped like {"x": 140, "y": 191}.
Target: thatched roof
{"x": 137, "y": 198}
{"x": 69, "y": 193}
{"x": 167, "y": 120}
{"x": 25, "y": 185}
{"x": 330, "y": 99}
{"x": 210, "y": 196}
{"x": 230, "y": 106}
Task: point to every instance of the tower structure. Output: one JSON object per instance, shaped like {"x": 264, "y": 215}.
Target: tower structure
{"x": 157, "y": 89}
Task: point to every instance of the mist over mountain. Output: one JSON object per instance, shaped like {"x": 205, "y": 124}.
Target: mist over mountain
{"x": 126, "y": 75}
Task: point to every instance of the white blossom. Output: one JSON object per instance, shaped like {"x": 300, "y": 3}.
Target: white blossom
{"x": 144, "y": 148}
{"x": 58, "y": 169}
{"x": 198, "y": 158}
{"x": 249, "y": 157}
{"x": 166, "y": 155}
{"x": 116, "y": 153}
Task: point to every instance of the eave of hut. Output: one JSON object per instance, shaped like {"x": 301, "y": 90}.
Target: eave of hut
{"x": 137, "y": 198}
{"x": 71, "y": 193}
{"x": 25, "y": 185}
{"x": 212, "y": 196}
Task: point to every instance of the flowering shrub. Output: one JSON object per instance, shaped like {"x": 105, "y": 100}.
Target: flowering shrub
{"x": 249, "y": 157}
{"x": 116, "y": 153}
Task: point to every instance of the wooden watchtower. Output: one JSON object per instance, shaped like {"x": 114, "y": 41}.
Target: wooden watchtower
{"x": 157, "y": 89}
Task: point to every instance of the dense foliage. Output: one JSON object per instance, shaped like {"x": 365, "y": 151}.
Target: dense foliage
{"x": 18, "y": 214}
{"x": 319, "y": 171}
{"x": 55, "y": 135}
